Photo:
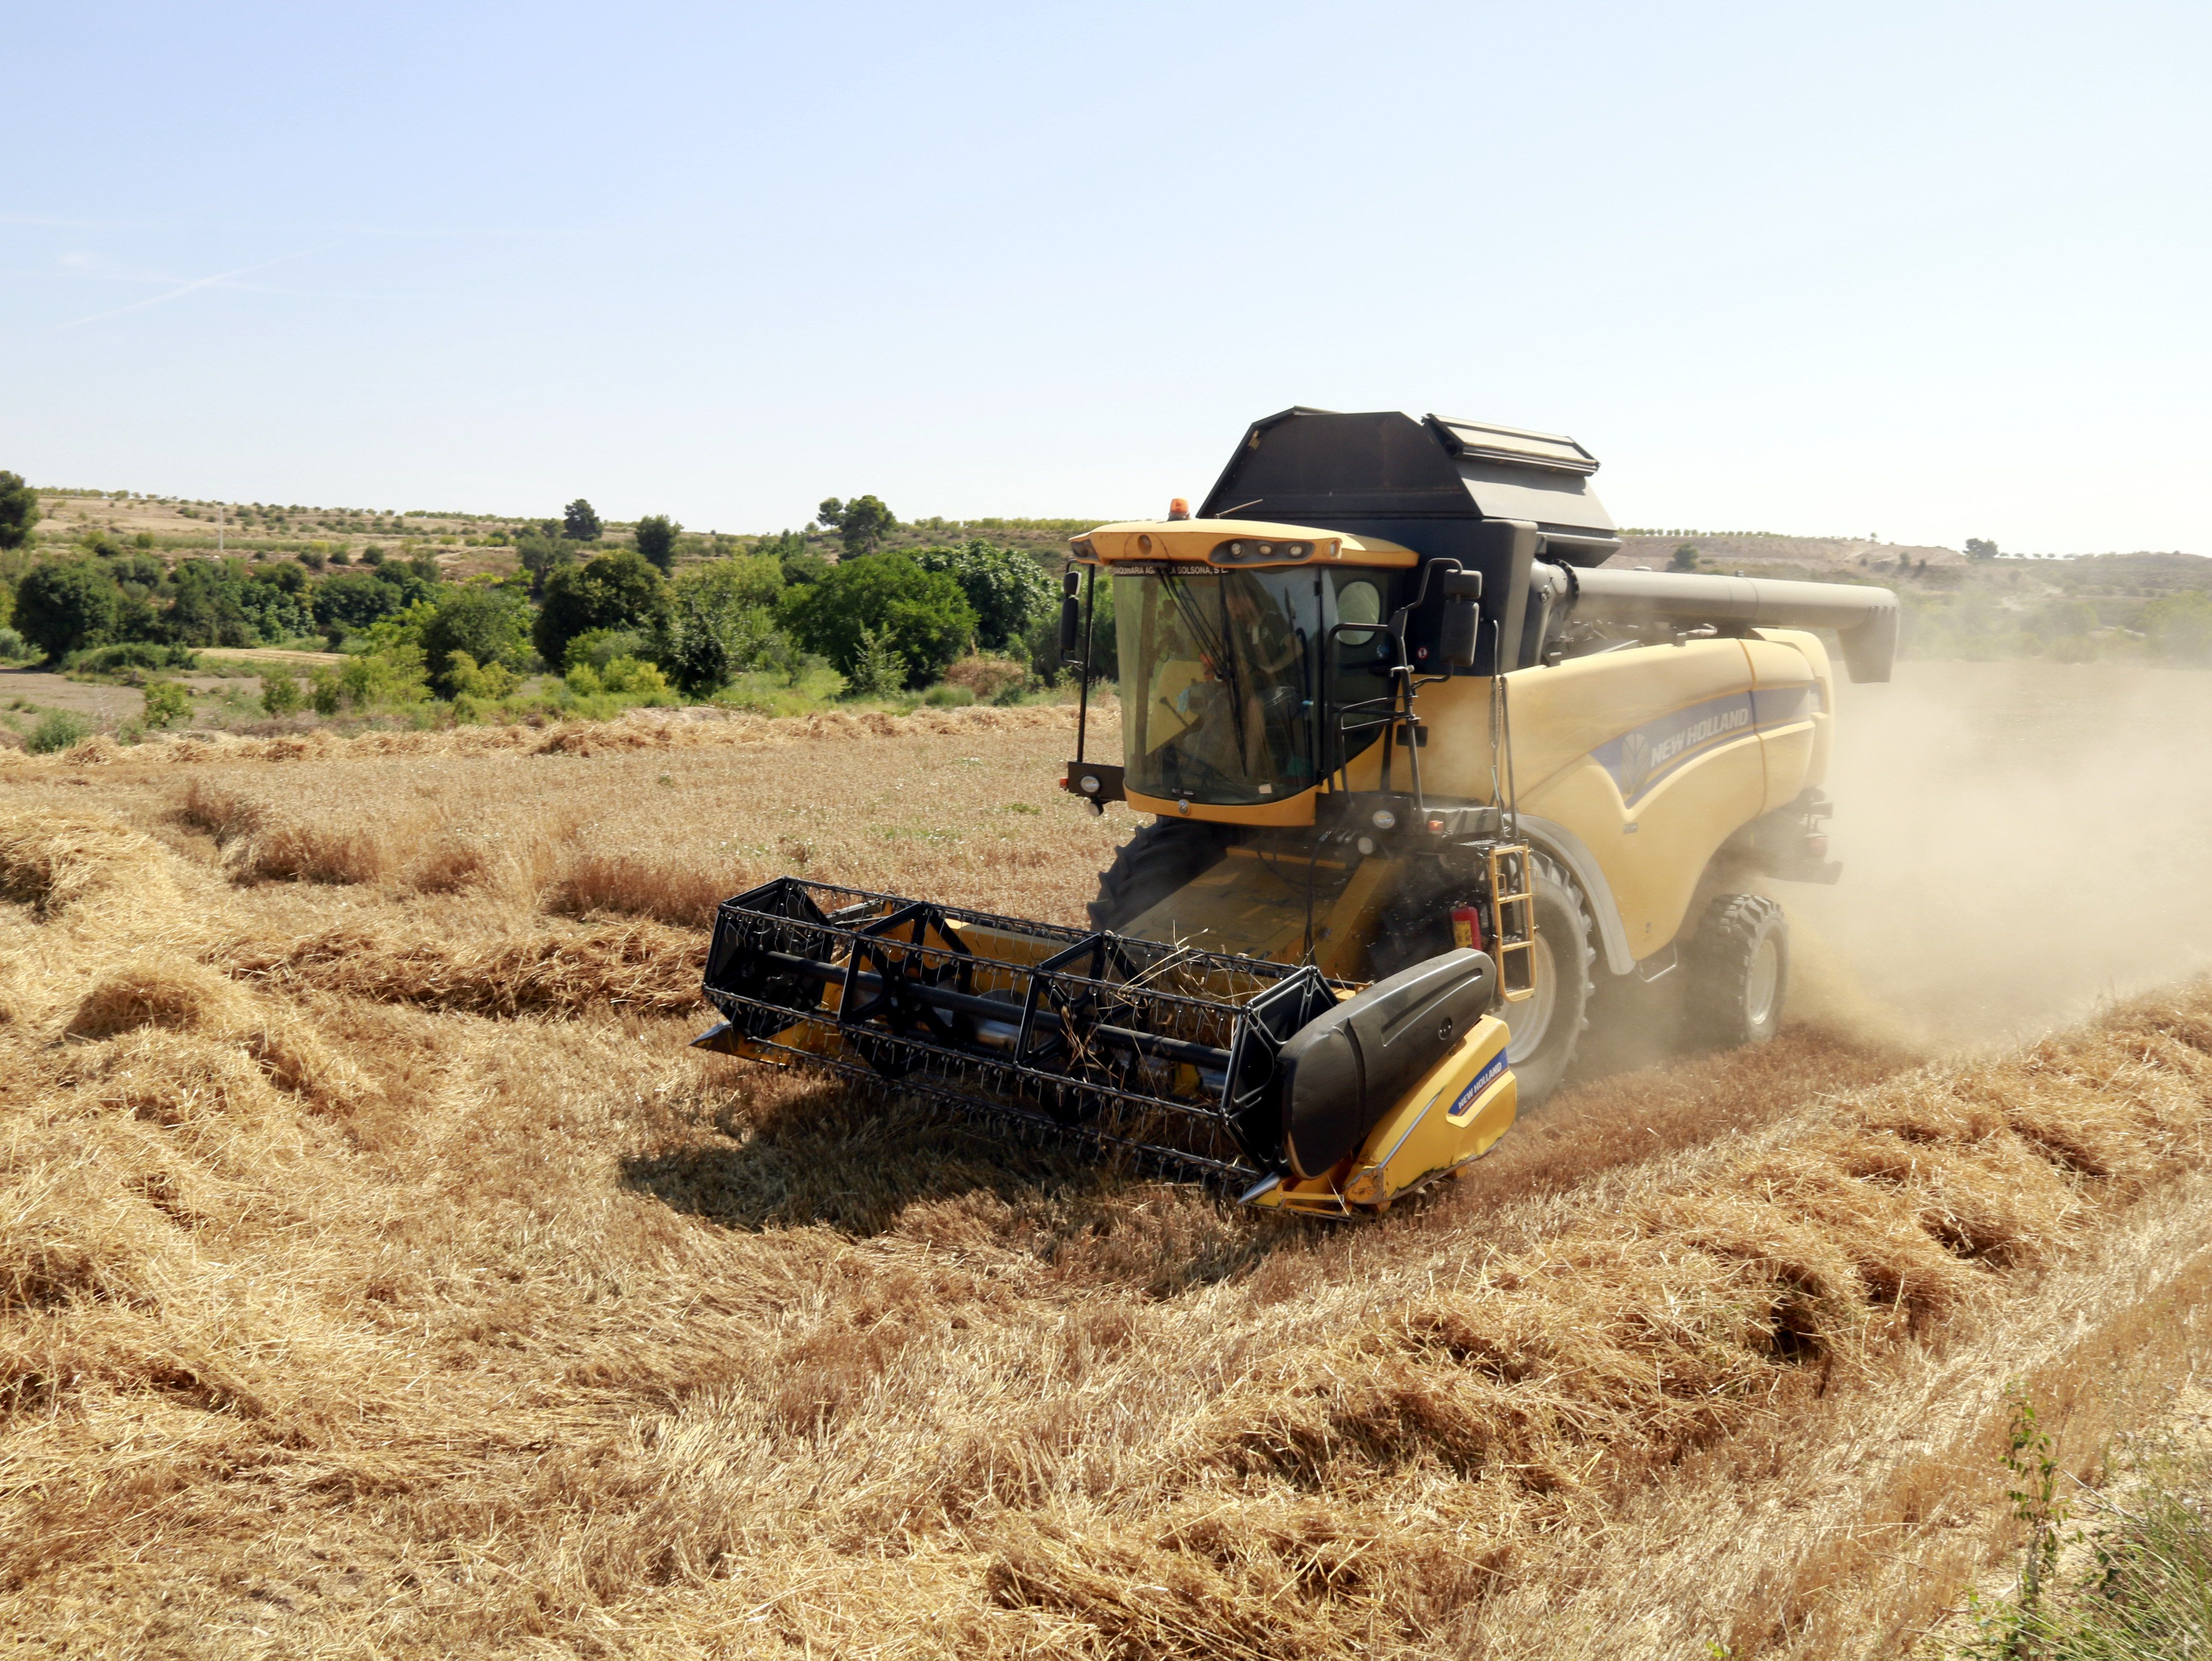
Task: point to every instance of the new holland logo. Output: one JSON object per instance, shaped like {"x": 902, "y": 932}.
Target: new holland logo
{"x": 1634, "y": 771}
{"x": 1481, "y": 1081}
{"x": 1641, "y": 759}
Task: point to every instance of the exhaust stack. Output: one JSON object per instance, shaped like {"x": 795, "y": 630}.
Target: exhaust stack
{"x": 1864, "y": 619}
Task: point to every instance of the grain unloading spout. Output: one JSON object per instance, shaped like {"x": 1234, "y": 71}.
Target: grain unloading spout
{"x": 1864, "y": 619}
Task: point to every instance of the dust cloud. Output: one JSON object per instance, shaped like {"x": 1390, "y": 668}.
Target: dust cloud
{"x": 2020, "y": 842}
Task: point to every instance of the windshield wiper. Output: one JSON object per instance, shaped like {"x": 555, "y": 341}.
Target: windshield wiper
{"x": 1216, "y": 648}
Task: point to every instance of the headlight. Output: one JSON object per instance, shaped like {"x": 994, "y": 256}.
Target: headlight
{"x": 1250, "y": 550}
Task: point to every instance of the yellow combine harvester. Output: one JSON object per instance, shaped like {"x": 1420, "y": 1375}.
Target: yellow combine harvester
{"x": 1418, "y": 769}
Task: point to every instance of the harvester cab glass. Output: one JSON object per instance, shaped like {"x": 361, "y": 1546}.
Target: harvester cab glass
{"x": 1220, "y": 670}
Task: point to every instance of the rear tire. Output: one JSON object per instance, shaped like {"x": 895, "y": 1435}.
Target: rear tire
{"x": 1152, "y": 865}
{"x": 1739, "y": 971}
{"x": 1544, "y": 1030}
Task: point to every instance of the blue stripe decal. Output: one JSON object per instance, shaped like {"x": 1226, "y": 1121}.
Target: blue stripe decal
{"x": 1644, "y": 756}
{"x": 1492, "y": 1071}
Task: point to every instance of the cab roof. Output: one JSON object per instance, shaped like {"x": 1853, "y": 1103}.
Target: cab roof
{"x": 1235, "y": 543}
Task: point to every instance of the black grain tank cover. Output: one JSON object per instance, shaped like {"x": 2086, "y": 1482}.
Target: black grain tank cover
{"x": 1496, "y": 499}
{"x": 1341, "y": 1072}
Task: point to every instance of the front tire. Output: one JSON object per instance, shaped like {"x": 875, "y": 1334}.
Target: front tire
{"x": 1739, "y": 971}
{"x": 1544, "y": 1030}
{"x": 1162, "y": 857}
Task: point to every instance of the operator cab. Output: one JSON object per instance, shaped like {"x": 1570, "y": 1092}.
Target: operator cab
{"x": 1229, "y": 635}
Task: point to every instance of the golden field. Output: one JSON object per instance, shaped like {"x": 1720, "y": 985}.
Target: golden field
{"x": 381, "y": 1274}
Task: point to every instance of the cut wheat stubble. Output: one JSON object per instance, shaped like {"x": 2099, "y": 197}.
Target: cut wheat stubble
{"x": 500, "y": 1321}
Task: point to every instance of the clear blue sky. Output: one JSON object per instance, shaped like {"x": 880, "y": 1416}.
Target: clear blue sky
{"x": 1930, "y": 270}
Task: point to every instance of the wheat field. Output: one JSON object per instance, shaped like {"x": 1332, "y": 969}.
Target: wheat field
{"x": 380, "y": 1274}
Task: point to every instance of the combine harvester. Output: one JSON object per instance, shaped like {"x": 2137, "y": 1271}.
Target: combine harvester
{"x": 1418, "y": 767}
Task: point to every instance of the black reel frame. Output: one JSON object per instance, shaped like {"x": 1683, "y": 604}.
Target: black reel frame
{"x": 1163, "y": 1052}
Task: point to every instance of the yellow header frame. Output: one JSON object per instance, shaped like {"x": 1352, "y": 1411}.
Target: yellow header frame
{"x": 1200, "y": 542}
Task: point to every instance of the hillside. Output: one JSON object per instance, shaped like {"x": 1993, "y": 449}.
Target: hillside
{"x": 464, "y": 544}
{"x": 2124, "y": 607}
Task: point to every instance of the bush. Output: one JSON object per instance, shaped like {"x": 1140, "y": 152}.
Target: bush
{"x": 477, "y": 685}
{"x": 352, "y": 604}
{"x": 376, "y": 677}
{"x": 167, "y": 704}
{"x": 130, "y": 654}
{"x": 891, "y": 603}
{"x": 595, "y": 649}
{"x": 616, "y": 590}
{"x": 721, "y": 622}
{"x": 483, "y": 625}
{"x": 60, "y": 607}
{"x": 945, "y": 695}
{"x": 629, "y": 677}
{"x": 13, "y": 646}
{"x": 324, "y": 693}
{"x": 877, "y": 672}
{"x": 210, "y": 605}
{"x": 57, "y": 730}
{"x": 1008, "y": 590}
{"x": 280, "y": 692}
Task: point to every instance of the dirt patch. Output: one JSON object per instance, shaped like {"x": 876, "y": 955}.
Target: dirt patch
{"x": 93, "y": 699}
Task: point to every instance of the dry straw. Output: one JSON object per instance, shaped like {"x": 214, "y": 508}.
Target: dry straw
{"x": 379, "y": 1271}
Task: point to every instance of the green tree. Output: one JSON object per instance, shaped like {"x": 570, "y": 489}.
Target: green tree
{"x": 803, "y": 567}
{"x": 408, "y": 579}
{"x": 922, "y": 615}
{"x": 578, "y": 523}
{"x": 541, "y": 553}
{"x": 1684, "y": 558}
{"x": 1980, "y": 548}
{"x": 19, "y": 510}
{"x": 276, "y": 611}
{"x": 656, "y": 541}
{"x": 62, "y": 607}
{"x": 209, "y": 608}
{"x": 1007, "y": 589}
{"x": 862, "y": 523}
{"x": 484, "y": 625}
{"x": 721, "y": 622}
{"x": 616, "y": 590}
{"x": 351, "y": 604}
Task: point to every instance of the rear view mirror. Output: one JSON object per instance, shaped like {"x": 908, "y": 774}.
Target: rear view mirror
{"x": 1463, "y": 618}
{"x": 1071, "y": 618}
